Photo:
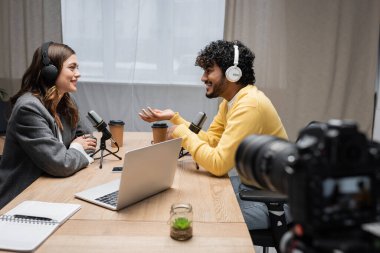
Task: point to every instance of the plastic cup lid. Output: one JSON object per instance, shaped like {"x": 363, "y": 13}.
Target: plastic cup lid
{"x": 159, "y": 125}
{"x": 116, "y": 122}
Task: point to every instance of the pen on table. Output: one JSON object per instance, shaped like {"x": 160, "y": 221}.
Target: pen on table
{"x": 19, "y": 216}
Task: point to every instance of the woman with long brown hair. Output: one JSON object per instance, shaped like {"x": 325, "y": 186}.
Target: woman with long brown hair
{"x": 44, "y": 133}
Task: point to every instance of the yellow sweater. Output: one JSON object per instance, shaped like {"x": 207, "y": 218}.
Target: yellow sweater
{"x": 251, "y": 113}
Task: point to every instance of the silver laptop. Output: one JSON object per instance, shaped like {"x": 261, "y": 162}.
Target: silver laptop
{"x": 146, "y": 171}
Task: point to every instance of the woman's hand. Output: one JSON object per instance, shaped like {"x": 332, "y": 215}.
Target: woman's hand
{"x": 87, "y": 142}
{"x": 152, "y": 115}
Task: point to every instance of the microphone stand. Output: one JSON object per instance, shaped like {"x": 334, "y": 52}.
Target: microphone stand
{"x": 182, "y": 153}
{"x": 103, "y": 147}
{"x": 194, "y": 128}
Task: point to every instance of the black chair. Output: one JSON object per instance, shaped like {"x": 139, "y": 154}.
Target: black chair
{"x": 270, "y": 237}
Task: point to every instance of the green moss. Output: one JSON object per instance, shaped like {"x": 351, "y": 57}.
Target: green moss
{"x": 181, "y": 223}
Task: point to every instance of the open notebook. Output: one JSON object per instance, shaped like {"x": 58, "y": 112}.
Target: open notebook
{"x": 27, "y": 225}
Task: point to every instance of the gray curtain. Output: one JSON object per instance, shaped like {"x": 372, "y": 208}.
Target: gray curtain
{"x": 315, "y": 59}
{"x": 24, "y": 26}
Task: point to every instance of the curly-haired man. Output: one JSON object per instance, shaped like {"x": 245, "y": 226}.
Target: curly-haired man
{"x": 245, "y": 110}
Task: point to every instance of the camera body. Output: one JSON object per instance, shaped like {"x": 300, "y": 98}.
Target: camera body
{"x": 331, "y": 174}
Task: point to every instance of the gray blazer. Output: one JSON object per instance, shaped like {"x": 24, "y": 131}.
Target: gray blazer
{"x": 32, "y": 148}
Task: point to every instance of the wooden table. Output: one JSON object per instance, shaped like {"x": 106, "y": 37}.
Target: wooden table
{"x": 218, "y": 223}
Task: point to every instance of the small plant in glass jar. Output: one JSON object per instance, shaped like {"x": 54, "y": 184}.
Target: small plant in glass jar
{"x": 181, "y": 227}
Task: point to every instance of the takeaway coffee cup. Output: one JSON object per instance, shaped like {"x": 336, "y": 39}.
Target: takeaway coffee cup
{"x": 117, "y": 131}
{"x": 159, "y": 130}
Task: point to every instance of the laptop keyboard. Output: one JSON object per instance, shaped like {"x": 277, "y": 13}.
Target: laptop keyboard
{"x": 110, "y": 198}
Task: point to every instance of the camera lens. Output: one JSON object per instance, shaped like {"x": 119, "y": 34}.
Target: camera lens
{"x": 262, "y": 160}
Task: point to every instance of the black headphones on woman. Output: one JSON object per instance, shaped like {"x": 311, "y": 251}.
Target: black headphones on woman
{"x": 49, "y": 72}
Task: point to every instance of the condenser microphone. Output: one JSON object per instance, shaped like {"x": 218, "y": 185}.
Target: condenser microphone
{"x": 197, "y": 123}
{"x": 99, "y": 124}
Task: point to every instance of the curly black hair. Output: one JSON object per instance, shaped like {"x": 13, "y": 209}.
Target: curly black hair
{"x": 221, "y": 53}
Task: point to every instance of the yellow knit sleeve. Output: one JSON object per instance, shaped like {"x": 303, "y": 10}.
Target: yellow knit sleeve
{"x": 178, "y": 120}
{"x": 220, "y": 159}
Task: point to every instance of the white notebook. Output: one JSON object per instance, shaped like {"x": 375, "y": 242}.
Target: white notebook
{"x": 27, "y": 225}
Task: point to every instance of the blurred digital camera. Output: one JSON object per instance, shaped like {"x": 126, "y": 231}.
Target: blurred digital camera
{"x": 331, "y": 174}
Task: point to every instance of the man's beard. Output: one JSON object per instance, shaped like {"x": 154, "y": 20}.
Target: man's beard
{"x": 217, "y": 89}
{"x": 212, "y": 95}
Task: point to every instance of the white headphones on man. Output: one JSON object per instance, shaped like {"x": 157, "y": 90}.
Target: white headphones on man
{"x": 233, "y": 73}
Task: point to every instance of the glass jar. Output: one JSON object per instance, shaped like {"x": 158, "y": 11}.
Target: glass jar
{"x": 181, "y": 221}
